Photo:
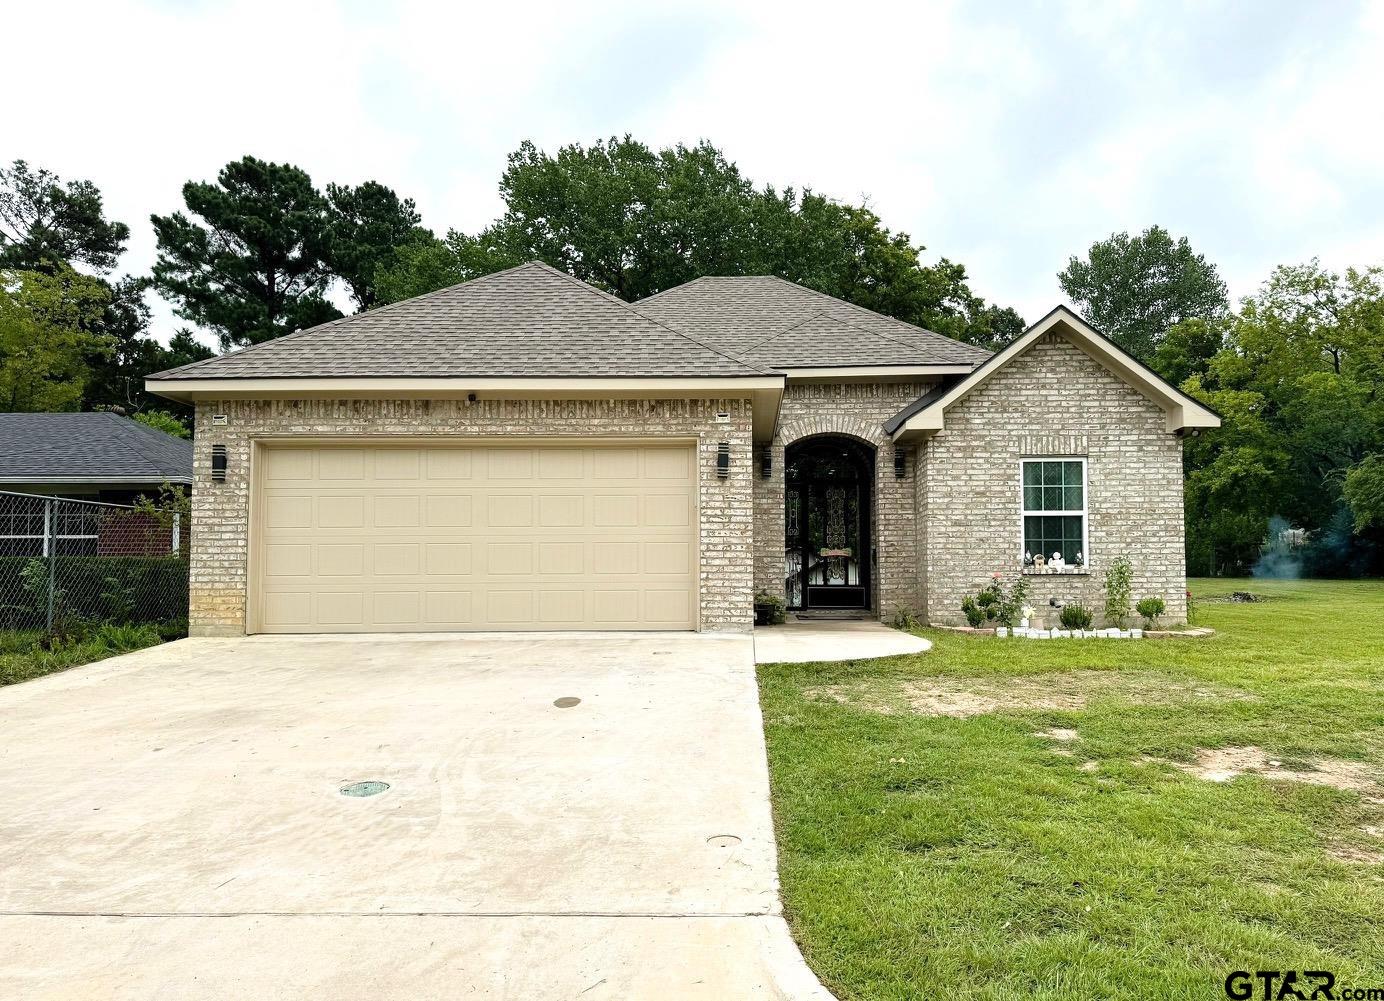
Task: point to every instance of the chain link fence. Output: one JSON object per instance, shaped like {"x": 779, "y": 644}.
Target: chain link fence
{"x": 65, "y": 563}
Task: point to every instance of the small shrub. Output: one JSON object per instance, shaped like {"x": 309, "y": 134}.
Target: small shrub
{"x": 906, "y": 619}
{"x": 1119, "y": 585}
{"x": 769, "y": 609}
{"x": 1075, "y": 617}
{"x": 996, "y": 603}
{"x": 1150, "y": 609}
{"x": 124, "y": 637}
{"x": 1191, "y": 609}
{"x": 1011, "y": 610}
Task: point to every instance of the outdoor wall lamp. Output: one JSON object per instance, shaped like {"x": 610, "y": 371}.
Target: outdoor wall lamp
{"x": 900, "y": 463}
{"x": 218, "y": 463}
{"x": 723, "y": 459}
{"x": 766, "y": 462}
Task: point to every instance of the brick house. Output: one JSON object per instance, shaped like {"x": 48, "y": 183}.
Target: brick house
{"x": 526, "y": 452}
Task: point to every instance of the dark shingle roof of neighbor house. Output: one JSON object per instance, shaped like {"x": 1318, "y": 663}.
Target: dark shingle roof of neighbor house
{"x": 89, "y": 448}
{"x": 532, "y": 320}
{"x": 771, "y": 321}
{"x": 535, "y": 321}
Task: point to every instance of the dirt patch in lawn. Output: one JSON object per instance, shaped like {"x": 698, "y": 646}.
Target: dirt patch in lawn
{"x": 1057, "y": 690}
{"x": 1221, "y": 764}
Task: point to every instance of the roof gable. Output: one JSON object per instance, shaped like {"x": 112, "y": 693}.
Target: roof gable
{"x": 926, "y": 415}
{"x": 89, "y": 448}
{"x": 771, "y": 321}
{"x": 531, "y": 321}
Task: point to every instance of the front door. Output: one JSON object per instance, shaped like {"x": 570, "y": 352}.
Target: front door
{"x": 827, "y": 524}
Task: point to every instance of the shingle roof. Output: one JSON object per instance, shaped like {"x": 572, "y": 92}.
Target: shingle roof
{"x": 532, "y": 320}
{"x": 92, "y": 447}
{"x": 770, "y": 321}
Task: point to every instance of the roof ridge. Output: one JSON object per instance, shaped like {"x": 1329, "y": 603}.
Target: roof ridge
{"x": 130, "y": 430}
{"x": 674, "y": 288}
{"x": 792, "y": 326}
{"x": 644, "y": 316}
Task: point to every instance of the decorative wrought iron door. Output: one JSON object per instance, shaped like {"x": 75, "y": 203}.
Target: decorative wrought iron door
{"x": 827, "y": 553}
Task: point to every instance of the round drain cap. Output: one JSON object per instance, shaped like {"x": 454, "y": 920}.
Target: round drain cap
{"x": 566, "y": 702}
{"x": 371, "y": 788}
{"x": 723, "y": 841}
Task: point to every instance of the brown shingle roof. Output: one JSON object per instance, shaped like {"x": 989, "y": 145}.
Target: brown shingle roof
{"x": 532, "y": 320}
{"x": 771, "y": 321}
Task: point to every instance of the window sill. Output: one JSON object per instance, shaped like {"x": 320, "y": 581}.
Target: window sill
{"x": 1066, "y": 572}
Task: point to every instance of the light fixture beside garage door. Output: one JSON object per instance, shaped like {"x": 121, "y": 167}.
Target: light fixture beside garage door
{"x": 723, "y": 459}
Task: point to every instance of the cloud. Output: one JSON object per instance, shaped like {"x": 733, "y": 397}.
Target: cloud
{"x": 1004, "y": 136}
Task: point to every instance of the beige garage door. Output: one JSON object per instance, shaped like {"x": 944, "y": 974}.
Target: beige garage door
{"x": 394, "y": 538}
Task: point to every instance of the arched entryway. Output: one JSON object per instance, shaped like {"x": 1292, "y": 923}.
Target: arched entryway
{"x": 828, "y": 497}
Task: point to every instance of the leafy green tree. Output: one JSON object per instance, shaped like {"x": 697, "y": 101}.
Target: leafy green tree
{"x": 1187, "y": 348}
{"x": 1364, "y": 490}
{"x": 1134, "y": 288}
{"x": 46, "y": 223}
{"x": 45, "y": 337}
{"x": 162, "y": 420}
{"x": 1297, "y": 379}
{"x": 253, "y": 263}
{"x": 367, "y": 223}
{"x": 420, "y": 265}
{"x": 635, "y": 221}
{"x": 127, "y": 354}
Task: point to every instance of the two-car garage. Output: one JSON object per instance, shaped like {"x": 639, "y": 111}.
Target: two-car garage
{"x": 473, "y": 535}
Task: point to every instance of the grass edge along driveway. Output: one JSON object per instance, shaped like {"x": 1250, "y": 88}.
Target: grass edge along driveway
{"x": 1060, "y": 845}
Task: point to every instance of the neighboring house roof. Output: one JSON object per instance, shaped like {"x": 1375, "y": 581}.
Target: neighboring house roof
{"x": 531, "y": 321}
{"x": 925, "y": 415}
{"x": 774, "y": 322}
{"x": 89, "y": 448}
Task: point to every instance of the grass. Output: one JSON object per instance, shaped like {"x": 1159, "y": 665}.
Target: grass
{"x": 27, "y": 654}
{"x": 927, "y": 855}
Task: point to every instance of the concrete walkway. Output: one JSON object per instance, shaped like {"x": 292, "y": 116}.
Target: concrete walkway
{"x": 174, "y": 828}
{"x": 800, "y": 641}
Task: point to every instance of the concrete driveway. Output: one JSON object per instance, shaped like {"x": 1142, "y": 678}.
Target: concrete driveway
{"x": 173, "y": 825}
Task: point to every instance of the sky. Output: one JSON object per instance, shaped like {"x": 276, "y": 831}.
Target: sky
{"x": 1007, "y": 136}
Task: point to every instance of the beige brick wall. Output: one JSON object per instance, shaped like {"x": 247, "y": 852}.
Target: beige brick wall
{"x": 1052, "y": 400}
{"x": 859, "y": 410}
{"x": 220, "y": 516}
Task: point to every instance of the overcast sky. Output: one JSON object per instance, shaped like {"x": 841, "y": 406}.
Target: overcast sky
{"x": 1006, "y": 136}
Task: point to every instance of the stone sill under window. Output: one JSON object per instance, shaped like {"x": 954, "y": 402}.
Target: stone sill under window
{"x": 1045, "y": 572}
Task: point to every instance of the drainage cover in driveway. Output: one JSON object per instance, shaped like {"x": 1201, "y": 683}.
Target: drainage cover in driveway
{"x": 364, "y": 788}
{"x": 566, "y": 702}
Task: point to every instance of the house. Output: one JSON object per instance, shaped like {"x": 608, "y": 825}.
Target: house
{"x": 526, "y": 452}
{"x": 87, "y": 456}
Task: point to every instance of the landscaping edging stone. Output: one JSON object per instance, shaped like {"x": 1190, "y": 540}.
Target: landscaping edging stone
{"x": 1192, "y": 632}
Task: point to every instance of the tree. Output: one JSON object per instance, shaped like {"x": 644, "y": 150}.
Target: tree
{"x": 1134, "y": 288}
{"x": 1296, "y": 374}
{"x": 46, "y": 223}
{"x": 635, "y": 221}
{"x": 256, "y": 266}
{"x": 162, "y": 420}
{"x": 45, "y": 324}
{"x": 367, "y": 223}
{"x": 1364, "y": 490}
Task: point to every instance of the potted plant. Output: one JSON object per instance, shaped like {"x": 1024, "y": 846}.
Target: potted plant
{"x": 768, "y": 609}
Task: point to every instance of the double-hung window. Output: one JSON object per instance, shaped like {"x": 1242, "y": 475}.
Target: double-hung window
{"x": 1055, "y": 509}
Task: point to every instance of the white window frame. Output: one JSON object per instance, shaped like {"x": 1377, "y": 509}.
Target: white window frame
{"x": 1024, "y": 512}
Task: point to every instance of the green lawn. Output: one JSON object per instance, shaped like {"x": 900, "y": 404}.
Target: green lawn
{"x": 25, "y": 654}
{"x": 980, "y": 856}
